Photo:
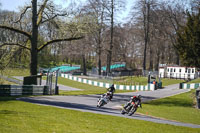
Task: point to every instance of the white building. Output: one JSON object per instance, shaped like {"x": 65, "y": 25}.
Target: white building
{"x": 178, "y": 72}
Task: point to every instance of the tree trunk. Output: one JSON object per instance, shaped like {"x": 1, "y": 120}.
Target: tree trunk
{"x": 177, "y": 58}
{"x": 146, "y": 31}
{"x": 84, "y": 65}
{"x": 99, "y": 63}
{"x": 99, "y": 52}
{"x": 158, "y": 60}
{"x": 109, "y": 56}
{"x": 151, "y": 59}
{"x": 34, "y": 39}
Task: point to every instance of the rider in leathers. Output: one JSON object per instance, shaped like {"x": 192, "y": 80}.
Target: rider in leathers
{"x": 111, "y": 89}
{"x": 135, "y": 99}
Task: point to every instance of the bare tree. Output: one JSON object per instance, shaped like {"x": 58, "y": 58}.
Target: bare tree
{"x": 37, "y": 20}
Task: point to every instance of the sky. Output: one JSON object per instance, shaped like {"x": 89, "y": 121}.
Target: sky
{"x": 13, "y": 5}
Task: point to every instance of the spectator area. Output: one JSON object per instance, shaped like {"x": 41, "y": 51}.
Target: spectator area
{"x": 115, "y": 66}
{"x": 63, "y": 68}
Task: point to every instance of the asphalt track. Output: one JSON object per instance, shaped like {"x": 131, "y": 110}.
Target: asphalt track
{"x": 87, "y": 103}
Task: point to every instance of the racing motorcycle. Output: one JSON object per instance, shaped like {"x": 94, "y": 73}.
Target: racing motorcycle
{"x": 104, "y": 99}
{"x": 131, "y": 109}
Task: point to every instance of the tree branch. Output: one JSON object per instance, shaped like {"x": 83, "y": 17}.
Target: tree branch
{"x": 16, "y": 30}
{"x": 51, "y": 18}
{"x": 40, "y": 12}
{"x": 58, "y": 40}
{"x": 22, "y": 14}
{"x": 14, "y": 44}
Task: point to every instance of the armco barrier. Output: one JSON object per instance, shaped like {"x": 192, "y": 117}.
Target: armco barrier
{"x": 148, "y": 87}
{"x": 16, "y": 90}
{"x": 189, "y": 86}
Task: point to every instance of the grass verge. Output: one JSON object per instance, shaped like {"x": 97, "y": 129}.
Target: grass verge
{"x": 134, "y": 80}
{"x": 22, "y": 117}
{"x": 15, "y": 72}
{"x": 166, "y": 81}
{"x": 179, "y": 108}
{"x": 85, "y": 88}
{"x": 5, "y": 82}
{"x": 194, "y": 81}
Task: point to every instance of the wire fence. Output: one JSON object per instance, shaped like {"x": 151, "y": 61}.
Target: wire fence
{"x": 52, "y": 80}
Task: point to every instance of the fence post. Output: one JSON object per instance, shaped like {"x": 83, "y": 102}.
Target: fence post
{"x": 181, "y": 86}
{"x": 198, "y": 97}
{"x": 56, "y": 87}
{"x": 47, "y": 78}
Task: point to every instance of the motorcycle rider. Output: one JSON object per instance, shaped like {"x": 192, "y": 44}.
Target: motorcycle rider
{"x": 136, "y": 99}
{"x": 111, "y": 90}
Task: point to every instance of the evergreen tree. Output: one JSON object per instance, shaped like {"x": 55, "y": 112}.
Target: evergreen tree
{"x": 188, "y": 40}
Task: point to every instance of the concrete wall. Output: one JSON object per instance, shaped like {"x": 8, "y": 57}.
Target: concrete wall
{"x": 16, "y": 90}
{"x": 148, "y": 87}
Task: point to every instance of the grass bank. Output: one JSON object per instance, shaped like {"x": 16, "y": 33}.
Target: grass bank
{"x": 15, "y": 72}
{"x": 136, "y": 80}
{"x": 5, "y": 82}
{"x": 179, "y": 108}
{"x": 195, "y": 81}
{"x": 166, "y": 81}
{"x": 22, "y": 117}
{"x": 85, "y": 88}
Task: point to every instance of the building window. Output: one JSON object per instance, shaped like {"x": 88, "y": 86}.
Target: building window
{"x": 168, "y": 69}
{"x": 189, "y": 70}
{"x": 192, "y": 70}
{"x": 171, "y": 70}
{"x": 180, "y": 70}
{"x": 185, "y": 70}
{"x": 174, "y": 69}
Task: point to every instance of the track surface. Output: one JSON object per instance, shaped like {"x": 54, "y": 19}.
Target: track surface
{"x": 87, "y": 103}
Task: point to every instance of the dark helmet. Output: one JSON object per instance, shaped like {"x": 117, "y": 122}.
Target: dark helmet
{"x": 108, "y": 93}
{"x": 112, "y": 85}
{"x": 139, "y": 96}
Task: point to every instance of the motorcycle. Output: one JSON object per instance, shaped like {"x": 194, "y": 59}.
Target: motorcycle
{"x": 130, "y": 109}
{"x": 105, "y": 98}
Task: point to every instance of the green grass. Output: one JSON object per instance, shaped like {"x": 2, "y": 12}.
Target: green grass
{"x": 22, "y": 117}
{"x": 90, "y": 89}
{"x": 179, "y": 108}
{"x": 166, "y": 81}
{"x": 133, "y": 80}
{"x": 15, "y": 72}
{"x": 5, "y": 82}
{"x": 125, "y": 80}
{"x": 195, "y": 81}
{"x": 85, "y": 88}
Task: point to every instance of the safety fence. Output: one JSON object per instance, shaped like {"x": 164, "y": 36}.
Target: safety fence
{"x": 148, "y": 87}
{"x": 17, "y": 90}
{"x": 189, "y": 86}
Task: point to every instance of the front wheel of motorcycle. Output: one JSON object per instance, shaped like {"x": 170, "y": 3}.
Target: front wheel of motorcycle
{"x": 132, "y": 111}
{"x": 100, "y": 104}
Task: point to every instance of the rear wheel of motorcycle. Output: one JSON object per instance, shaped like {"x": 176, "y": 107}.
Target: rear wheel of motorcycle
{"x": 123, "y": 112}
